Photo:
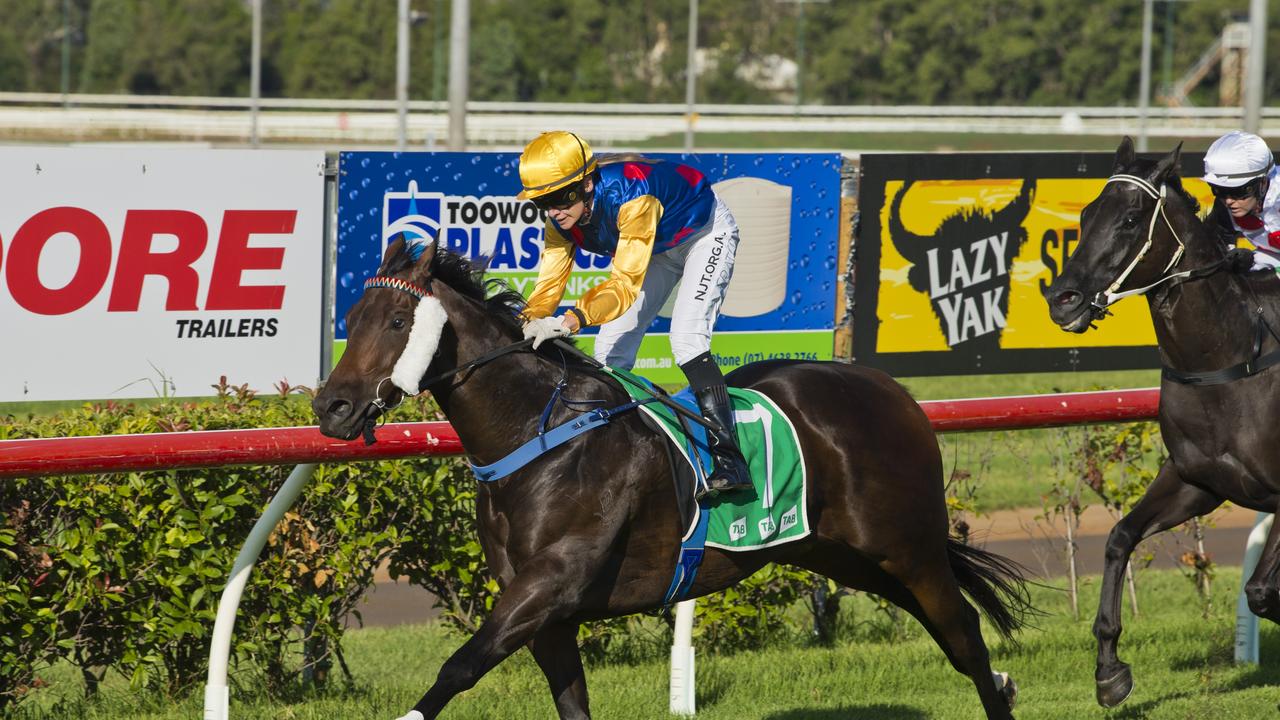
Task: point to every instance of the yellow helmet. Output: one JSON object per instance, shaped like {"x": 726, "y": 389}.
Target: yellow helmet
{"x": 553, "y": 160}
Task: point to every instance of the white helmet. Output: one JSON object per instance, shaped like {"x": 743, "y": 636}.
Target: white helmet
{"x": 1236, "y": 158}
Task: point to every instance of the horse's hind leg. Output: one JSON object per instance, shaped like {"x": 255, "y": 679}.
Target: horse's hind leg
{"x": 1262, "y": 589}
{"x": 933, "y": 597}
{"x": 955, "y": 626}
{"x": 1168, "y": 502}
{"x": 555, "y": 647}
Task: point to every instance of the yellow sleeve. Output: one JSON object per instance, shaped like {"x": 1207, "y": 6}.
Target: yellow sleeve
{"x": 553, "y": 274}
{"x": 637, "y": 231}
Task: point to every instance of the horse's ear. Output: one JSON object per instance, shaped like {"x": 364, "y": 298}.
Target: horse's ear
{"x": 1124, "y": 153}
{"x": 391, "y": 255}
{"x": 1169, "y": 164}
{"x": 423, "y": 252}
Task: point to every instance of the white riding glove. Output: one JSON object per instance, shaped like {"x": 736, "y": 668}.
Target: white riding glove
{"x": 545, "y": 328}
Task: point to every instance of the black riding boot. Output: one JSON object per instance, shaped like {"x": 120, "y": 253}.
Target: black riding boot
{"x": 708, "y": 387}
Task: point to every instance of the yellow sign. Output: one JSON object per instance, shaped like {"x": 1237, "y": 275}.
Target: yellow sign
{"x": 964, "y": 263}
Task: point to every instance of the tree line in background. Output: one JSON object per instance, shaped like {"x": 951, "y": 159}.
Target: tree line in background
{"x": 1043, "y": 52}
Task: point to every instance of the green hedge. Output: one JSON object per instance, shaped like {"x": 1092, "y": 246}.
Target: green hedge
{"x": 122, "y": 572}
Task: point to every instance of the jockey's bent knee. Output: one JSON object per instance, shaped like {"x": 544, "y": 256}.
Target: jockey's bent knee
{"x": 687, "y": 346}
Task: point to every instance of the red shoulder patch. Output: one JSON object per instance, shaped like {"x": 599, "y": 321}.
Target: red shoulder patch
{"x": 691, "y": 175}
{"x": 636, "y": 171}
{"x": 1249, "y": 222}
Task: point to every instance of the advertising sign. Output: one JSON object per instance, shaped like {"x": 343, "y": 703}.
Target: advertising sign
{"x": 954, "y": 252}
{"x": 782, "y": 297}
{"x": 130, "y": 273}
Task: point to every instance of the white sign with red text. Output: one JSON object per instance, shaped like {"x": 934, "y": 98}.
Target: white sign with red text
{"x": 135, "y": 272}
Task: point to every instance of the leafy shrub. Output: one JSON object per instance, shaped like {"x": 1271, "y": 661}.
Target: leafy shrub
{"x": 123, "y": 571}
{"x": 30, "y": 614}
{"x": 752, "y": 612}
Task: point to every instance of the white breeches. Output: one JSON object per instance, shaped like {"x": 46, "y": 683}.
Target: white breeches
{"x": 699, "y": 272}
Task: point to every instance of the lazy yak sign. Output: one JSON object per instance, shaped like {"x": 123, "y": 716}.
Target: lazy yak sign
{"x": 953, "y": 252}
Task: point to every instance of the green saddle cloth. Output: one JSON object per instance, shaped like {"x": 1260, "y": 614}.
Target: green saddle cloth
{"x": 776, "y": 512}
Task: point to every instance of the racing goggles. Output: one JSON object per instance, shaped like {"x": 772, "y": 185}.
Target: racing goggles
{"x": 1235, "y": 193}
{"x": 560, "y": 199}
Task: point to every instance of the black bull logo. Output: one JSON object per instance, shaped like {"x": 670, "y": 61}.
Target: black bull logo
{"x": 964, "y": 267}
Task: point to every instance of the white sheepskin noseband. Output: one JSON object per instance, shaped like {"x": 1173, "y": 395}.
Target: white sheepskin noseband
{"x": 424, "y": 338}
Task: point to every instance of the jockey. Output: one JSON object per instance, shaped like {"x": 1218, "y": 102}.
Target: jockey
{"x": 665, "y": 229}
{"x": 1241, "y": 172}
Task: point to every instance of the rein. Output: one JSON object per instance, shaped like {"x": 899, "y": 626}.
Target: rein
{"x": 371, "y": 423}
{"x": 675, "y": 406}
{"x": 482, "y": 360}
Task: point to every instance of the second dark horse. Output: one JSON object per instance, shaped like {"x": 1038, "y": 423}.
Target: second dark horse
{"x": 1218, "y": 413}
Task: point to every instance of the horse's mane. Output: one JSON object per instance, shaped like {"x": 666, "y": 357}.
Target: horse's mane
{"x": 499, "y": 299}
{"x": 1174, "y": 181}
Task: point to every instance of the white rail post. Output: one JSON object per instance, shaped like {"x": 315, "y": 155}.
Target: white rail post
{"x": 1246, "y": 621}
{"x": 682, "y": 670}
{"x": 217, "y": 697}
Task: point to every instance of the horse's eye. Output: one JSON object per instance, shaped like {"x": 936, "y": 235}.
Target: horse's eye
{"x": 397, "y": 323}
{"x": 1131, "y": 220}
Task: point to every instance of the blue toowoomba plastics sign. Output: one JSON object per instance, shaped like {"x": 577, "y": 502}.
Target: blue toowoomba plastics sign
{"x": 781, "y": 302}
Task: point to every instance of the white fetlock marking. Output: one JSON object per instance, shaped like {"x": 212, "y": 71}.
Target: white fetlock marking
{"x": 1001, "y": 679}
{"x": 1006, "y": 686}
{"x": 413, "y": 715}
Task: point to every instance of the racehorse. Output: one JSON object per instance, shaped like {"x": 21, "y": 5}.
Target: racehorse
{"x": 1214, "y": 327}
{"x": 591, "y": 529}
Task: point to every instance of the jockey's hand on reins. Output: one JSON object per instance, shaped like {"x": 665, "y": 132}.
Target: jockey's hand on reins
{"x": 1239, "y": 260}
{"x": 543, "y": 329}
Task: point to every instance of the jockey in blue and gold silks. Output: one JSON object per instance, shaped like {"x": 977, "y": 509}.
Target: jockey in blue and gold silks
{"x": 666, "y": 231}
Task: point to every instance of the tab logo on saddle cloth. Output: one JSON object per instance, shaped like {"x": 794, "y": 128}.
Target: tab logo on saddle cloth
{"x": 767, "y": 527}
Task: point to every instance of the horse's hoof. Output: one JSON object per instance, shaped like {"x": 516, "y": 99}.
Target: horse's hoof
{"x": 1008, "y": 688}
{"x": 1116, "y": 689}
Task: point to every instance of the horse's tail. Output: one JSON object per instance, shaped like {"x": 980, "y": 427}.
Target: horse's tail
{"x": 997, "y": 584}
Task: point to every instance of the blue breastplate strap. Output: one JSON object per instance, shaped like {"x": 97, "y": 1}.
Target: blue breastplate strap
{"x": 691, "y": 551}
{"x": 546, "y": 441}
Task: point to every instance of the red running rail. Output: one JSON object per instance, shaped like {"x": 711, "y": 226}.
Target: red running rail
{"x": 289, "y": 446}
{"x": 212, "y": 448}
{"x": 1041, "y": 411}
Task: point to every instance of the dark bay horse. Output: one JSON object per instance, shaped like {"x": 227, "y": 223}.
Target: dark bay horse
{"x": 591, "y": 530}
{"x": 1219, "y": 416}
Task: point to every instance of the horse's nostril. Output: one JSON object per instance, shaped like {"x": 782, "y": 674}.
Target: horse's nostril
{"x": 339, "y": 408}
{"x": 1068, "y": 298}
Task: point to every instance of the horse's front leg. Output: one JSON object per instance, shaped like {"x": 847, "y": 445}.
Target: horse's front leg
{"x": 545, "y": 591}
{"x": 1168, "y": 502}
{"x": 555, "y": 647}
{"x": 1263, "y": 588}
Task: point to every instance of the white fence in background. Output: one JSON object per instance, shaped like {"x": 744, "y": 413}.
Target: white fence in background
{"x": 227, "y": 119}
